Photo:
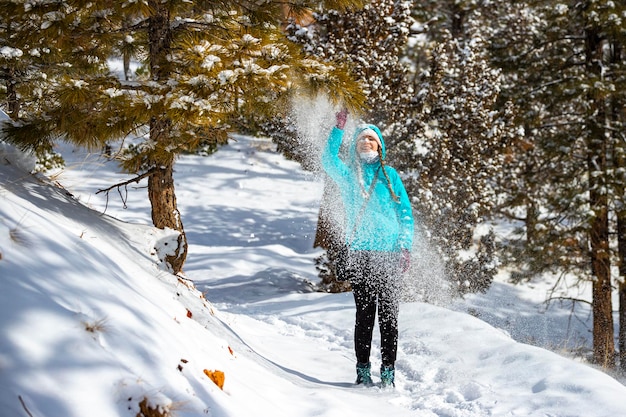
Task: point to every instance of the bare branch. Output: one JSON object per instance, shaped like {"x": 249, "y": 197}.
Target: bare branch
{"x": 573, "y": 300}
{"x": 136, "y": 179}
{"x": 24, "y": 405}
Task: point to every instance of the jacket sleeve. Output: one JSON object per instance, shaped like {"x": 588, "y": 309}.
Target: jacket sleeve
{"x": 405, "y": 214}
{"x": 331, "y": 163}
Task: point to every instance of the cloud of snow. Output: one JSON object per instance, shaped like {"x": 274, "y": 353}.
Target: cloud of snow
{"x": 314, "y": 118}
{"x": 426, "y": 279}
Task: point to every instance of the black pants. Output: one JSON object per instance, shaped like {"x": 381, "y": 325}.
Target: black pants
{"x": 374, "y": 280}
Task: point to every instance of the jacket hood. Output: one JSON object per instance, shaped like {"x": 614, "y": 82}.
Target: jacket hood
{"x": 361, "y": 128}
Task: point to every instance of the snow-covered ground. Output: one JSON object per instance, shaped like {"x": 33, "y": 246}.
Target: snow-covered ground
{"x": 91, "y": 323}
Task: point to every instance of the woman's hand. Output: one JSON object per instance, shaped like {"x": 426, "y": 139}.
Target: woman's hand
{"x": 341, "y": 117}
{"x": 405, "y": 260}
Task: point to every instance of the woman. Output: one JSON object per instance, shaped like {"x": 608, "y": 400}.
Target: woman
{"x": 378, "y": 236}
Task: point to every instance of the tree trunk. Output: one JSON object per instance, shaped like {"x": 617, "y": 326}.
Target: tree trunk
{"x": 160, "y": 40}
{"x": 621, "y": 243}
{"x": 10, "y": 83}
{"x": 620, "y": 214}
{"x": 457, "y": 18}
{"x": 622, "y": 325}
{"x": 13, "y": 102}
{"x": 619, "y": 158}
{"x": 603, "y": 332}
{"x": 165, "y": 212}
{"x": 126, "y": 61}
{"x": 161, "y": 191}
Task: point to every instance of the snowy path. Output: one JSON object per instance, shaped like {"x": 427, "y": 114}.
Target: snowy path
{"x": 316, "y": 331}
{"x": 448, "y": 364}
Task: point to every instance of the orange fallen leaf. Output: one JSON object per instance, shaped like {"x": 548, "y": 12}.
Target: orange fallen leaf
{"x": 217, "y": 377}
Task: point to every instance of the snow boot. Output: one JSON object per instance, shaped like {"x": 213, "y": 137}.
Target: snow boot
{"x": 387, "y": 376}
{"x": 363, "y": 374}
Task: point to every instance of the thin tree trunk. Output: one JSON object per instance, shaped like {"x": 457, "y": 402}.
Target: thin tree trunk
{"x": 161, "y": 190}
{"x": 603, "y": 332}
{"x": 13, "y": 102}
{"x": 10, "y": 83}
{"x": 165, "y": 212}
{"x": 621, "y": 245}
{"x": 622, "y": 325}
{"x": 126, "y": 60}
{"x": 457, "y": 17}
{"x": 620, "y": 214}
{"x": 619, "y": 157}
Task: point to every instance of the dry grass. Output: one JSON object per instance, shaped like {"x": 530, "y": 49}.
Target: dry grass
{"x": 146, "y": 410}
{"x": 19, "y": 237}
{"x": 98, "y": 326}
{"x": 18, "y": 234}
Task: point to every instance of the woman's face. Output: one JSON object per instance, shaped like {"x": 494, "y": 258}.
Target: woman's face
{"x": 367, "y": 143}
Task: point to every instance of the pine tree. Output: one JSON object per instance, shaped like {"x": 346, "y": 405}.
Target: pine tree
{"x": 13, "y": 68}
{"x": 461, "y": 133}
{"x": 566, "y": 76}
{"x": 371, "y": 41}
{"x": 32, "y": 37}
{"x": 206, "y": 63}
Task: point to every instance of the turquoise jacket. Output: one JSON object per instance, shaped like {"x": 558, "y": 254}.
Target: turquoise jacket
{"x": 386, "y": 225}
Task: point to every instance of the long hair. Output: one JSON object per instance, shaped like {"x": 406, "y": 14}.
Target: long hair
{"x": 382, "y": 165}
{"x": 357, "y": 165}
